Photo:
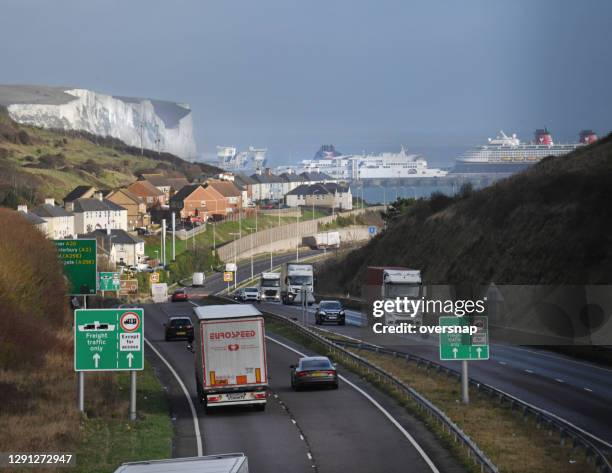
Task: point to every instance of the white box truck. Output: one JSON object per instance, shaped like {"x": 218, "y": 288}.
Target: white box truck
{"x": 297, "y": 279}
{"x": 230, "y": 349}
{"x": 389, "y": 283}
{"x": 197, "y": 280}
{"x": 269, "y": 287}
{"x": 227, "y": 463}
{"x": 323, "y": 240}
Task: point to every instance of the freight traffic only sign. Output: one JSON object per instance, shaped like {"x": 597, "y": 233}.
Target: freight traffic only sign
{"x": 108, "y": 339}
{"x": 463, "y": 346}
{"x": 79, "y": 260}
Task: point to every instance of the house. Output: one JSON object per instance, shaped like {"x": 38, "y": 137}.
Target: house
{"x": 331, "y": 196}
{"x": 316, "y": 178}
{"x": 79, "y": 192}
{"x": 267, "y": 186}
{"x": 135, "y": 205}
{"x": 231, "y": 195}
{"x": 120, "y": 247}
{"x": 39, "y": 223}
{"x": 245, "y": 184}
{"x": 190, "y": 203}
{"x": 97, "y": 213}
{"x": 60, "y": 223}
{"x": 152, "y": 196}
{"x": 290, "y": 182}
{"x": 168, "y": 185}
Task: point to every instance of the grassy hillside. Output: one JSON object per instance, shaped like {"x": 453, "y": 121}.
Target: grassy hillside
{"x": 37, "y": 163}
{"x": 549, "y": 224}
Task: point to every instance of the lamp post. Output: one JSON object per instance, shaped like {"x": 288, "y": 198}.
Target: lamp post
{"x": 251, "y": 238}
{"x": 297, "y": 234}
{"x": 235, "y": 258}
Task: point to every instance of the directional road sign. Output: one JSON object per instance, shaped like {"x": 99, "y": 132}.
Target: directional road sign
{"x": 128, "y": 287}
{"x": 79, "y": 260}
{"x": 109, "y": 281}
{"x": 463, "y": 346}
{"x": 108, "y": 339}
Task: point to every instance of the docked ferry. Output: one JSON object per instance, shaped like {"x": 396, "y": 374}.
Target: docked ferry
{"x": 507, "y": 154}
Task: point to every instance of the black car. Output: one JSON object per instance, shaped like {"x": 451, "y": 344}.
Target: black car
{"x": 179, "y": 328}
{"x": 330, "y": 311}
{"x": 314, "y": 371}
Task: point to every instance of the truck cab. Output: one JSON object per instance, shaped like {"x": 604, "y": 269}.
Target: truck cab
{"x": 297, "y": 283}
{"x": 391, "y": 283}
{"x": 269, "y": 287}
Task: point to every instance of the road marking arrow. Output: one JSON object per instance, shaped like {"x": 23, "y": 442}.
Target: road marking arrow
{"x": 96, "y": 358}
{"x": 455, "y": 350}
{"x": 130, "y": 357}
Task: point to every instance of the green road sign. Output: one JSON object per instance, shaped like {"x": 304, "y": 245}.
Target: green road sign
{"x": 79, "y": 260}
{"x": 463, "y": 346}
{"x": 108, "y": 339}
{"x": 109, "y": 281}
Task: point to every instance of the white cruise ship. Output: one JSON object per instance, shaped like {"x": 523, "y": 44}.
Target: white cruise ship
{"x": 508, "y": 154}
{"x": 373, "y": 166}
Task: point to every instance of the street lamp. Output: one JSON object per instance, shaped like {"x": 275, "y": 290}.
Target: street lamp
{"x": 235, "y": 264}
{"x": 297, "y": 234}
{"x": 251, "y": 238}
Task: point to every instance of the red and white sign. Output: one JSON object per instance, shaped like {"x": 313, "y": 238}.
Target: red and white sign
{"x": 130, "y": 321}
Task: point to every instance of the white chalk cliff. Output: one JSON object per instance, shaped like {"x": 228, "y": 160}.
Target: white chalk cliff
{"x": 166, "y": 126}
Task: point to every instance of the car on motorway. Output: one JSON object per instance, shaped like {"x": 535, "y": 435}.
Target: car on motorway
{"x": 249, "y": 294}
{"x": 179, "y": 327}
{"x": 179, "y": 295}
{"x": 330, "y": 311}
{"x": 314, "y": 371}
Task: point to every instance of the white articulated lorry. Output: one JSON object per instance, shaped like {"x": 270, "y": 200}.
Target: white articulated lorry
{"x": 269, "y": 287}
{"x": 227, "y": 463}
{"x": 297, "y": 279}
{"x": 230, "y": 355}
{"x": 323, "y": 240}
{"x": 390, "y": 283}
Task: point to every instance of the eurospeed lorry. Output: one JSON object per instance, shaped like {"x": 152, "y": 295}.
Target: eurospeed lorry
{"x": 230, "y": 355}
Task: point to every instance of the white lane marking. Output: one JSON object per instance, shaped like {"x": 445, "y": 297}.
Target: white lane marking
{"x": 301, "y": 437}
{"x": 529, "y": 371}
{"x": 589, "y": 390}
{"x": 582, "y": 431}
{"x": 378, "y": 406}
{"x": 194, "y": 415}
{"x": 559, "y": 380}
{"x": 309, "y": 455}
{"x": 564, "y": 359}
{"x": 502, "y": 363}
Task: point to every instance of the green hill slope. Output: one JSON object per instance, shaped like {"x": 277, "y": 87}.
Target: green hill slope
{"x": 37, "y": 163}
{"x": 549, "y": 224}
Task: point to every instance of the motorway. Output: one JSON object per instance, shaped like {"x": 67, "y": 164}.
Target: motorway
{"x": 577, "y": 391}
{"x": 355, "y": 428}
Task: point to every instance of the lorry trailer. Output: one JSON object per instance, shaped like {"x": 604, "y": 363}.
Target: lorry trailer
{"x": 230, "y": 351}
{"x": 227, "y": 463}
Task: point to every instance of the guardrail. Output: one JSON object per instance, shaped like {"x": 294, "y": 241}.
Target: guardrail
{"x": 351, "y": 359}
{"x": 542, "y": 417}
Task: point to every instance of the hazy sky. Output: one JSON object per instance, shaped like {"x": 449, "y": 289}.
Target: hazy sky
{"x": 436, "y": 75}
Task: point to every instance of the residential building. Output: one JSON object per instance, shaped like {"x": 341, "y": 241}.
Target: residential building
{"x": 231, "y": 194}
{"x": 135, "y": 205}
{"x": 168, "y": 185}
{"x": 316, "y": 178}
{"x": 331, "y": 196}
{"x": 98, "y": 213}
{"x": 267, "y": 186}
{"x": 79, "y": 192}
{"x": 190, "y": 203}
{"x": 152, "y": 196}
{"x": 38, "y": 222}
{"x": 119, "y": 246}
{"x": 290, "y": 182}
{"x": 60, "y": 223}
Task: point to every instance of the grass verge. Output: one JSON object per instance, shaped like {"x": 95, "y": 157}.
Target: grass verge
{"x": 514, "y": 444}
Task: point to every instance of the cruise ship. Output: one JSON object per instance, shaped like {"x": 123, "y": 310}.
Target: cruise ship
{"x": 507, "y": 154}
{"x": 372, "y": 166}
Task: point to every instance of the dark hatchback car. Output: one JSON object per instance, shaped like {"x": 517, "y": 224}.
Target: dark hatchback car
{"x": 179, "y": 295}
{"x": 330, "y": 311}
{"x": 313, "y": 371}
{"x": 179, "y": 328}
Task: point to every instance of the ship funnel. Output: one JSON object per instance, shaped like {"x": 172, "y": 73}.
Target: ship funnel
{"x": 588, "y": 137}
{"x": 543, "y": 137}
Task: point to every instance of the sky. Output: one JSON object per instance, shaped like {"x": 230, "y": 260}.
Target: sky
{"x": 435, "y": 75}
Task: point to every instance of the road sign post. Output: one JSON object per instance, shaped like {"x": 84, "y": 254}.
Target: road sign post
{"x": 78, "y": 258}
{"x": 108, "y": 340}
{"x": 463, "y": 346}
